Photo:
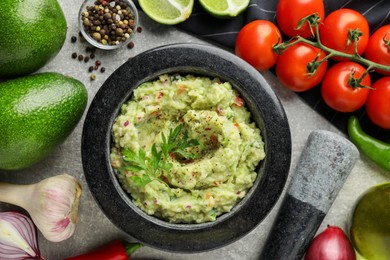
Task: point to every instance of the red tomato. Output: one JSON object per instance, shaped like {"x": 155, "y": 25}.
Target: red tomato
{"x": 292, "y": 67}
{"x": 255, "y": 41}
{"x": 336, "y": 27}
{"x": 378, "y": 47}
{"x": 336, "y": 90}
{"x": 290, "y": 12}
{"x": 378, "y": 103}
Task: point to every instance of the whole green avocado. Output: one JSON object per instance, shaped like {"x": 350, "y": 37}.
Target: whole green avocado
{"x": 37, "y": 114}
{"x": 32, "y": 34}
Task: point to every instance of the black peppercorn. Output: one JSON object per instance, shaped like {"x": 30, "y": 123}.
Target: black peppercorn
{"x": 130, "y": 45}
{"x": 81, "y": 57}
{"x": 109, "y": 23}
{"x": 74, "y": 55}
{"x": 73, "y": 39}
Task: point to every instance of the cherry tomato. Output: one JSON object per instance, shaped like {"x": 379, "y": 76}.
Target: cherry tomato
{"x": 378, "y": 103}
{"x": 335, "y": 31}
{"x": 378, "y": 47}
{"x": 292, "y": 67}
{"x": 290, "y": 12}
{"x": 338, "y": 93}
{"x": 254, "y": 44}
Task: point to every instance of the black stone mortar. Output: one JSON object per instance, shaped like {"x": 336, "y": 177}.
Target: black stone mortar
{"x": 267, "y": 113}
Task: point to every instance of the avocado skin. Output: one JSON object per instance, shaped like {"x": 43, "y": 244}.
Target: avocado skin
{"x": 37, "y": 114}
{"x": 32, "y": 34}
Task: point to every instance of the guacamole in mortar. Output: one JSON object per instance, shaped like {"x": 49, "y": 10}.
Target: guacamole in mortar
{"x": 228, "y": 148}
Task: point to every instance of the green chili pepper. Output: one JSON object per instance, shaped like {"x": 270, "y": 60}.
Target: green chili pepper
{"x": 376, "y": 150}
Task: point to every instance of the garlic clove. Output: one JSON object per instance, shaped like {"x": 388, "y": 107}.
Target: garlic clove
{"x": 55, "y": 208}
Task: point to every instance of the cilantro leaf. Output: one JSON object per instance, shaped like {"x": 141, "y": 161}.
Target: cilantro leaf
{"x": 141, "y": 180}
{"x": 171, "y": 143}
{"x": 176, "y": 145}
{"x": 136, "y": 160}
{"x": 156, "y": 163}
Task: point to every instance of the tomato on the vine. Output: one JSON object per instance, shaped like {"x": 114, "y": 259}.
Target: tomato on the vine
{"x": 378, "y": 103}
{"x": 255, "y": 41}
{"x": 292, "y": 67}
{"x": 336, "y": 30}
{"x": 337, "y": 91}
{"x": 290, "y": 12}
{"x": 378, "y": 47}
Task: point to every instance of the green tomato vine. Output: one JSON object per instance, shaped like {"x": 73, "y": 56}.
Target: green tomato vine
{"x": 353, "y": 38}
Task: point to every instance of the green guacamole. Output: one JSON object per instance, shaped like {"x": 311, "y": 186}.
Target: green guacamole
{"x": 230, "y": 147}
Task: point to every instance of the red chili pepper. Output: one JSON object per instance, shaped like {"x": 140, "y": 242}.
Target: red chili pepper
{"x": 171, "y": 155}
{"x": 238, "y": 102}
{"x": 181, "y": 89}
{"x": 160, "y": 95}
{"x": 115, "y": 250}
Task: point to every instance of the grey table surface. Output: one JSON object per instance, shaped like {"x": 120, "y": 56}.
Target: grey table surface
{"x": 93, "y": 228}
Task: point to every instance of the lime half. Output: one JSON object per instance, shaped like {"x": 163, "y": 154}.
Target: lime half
{"x": 370, "y": 223}
{"x": 224, "y": 8}
{"x": 167, "y": 11}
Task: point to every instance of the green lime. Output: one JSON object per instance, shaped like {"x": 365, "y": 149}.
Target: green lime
{"x": 370, "y": 223}
{"x": 167, "y": 11}
{"x": 224, "y": 8}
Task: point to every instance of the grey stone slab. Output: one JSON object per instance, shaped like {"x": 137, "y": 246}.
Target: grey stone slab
{"x": 94, "y": 228}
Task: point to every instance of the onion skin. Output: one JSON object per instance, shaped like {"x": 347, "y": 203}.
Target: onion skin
{"x": 331, "y": 244}
{"x": 18, "y": 238}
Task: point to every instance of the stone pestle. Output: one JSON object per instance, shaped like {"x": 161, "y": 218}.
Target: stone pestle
{"x": 324, "y": 165}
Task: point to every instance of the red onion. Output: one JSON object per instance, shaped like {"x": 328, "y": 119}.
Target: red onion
{"x": 18, "y": 237}
{"x": 331, "y": 244}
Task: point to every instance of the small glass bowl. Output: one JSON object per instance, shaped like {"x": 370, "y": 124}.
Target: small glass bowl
{"x": 102, "y": 15}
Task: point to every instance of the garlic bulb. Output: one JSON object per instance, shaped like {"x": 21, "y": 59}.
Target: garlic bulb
{"x": 52, "y": 204}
